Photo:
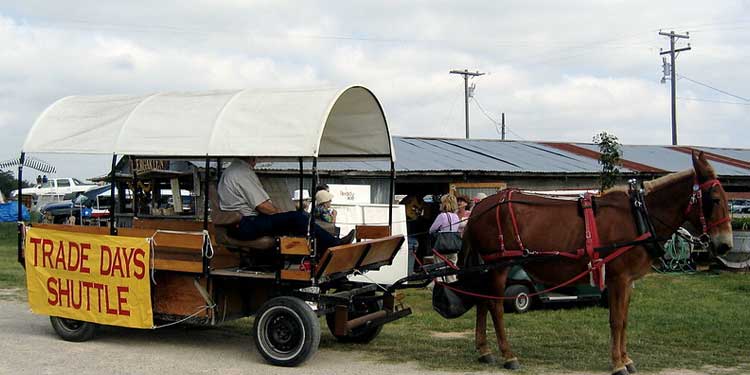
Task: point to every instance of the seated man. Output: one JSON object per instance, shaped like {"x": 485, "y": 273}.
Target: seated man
{"x": 241, "y": 190}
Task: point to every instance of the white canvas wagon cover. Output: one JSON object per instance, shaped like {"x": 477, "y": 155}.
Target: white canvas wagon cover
{"x": 265, "y": 123}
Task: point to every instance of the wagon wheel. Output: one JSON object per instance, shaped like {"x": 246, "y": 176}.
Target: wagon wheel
{"x": 73, "y": 330}
{"x": 287, "y": 331}
{"x": 521, "y": 301}
{"x": 359, "y": 335}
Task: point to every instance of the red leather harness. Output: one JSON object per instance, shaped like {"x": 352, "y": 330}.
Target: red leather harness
{"x": 596, "y": 262}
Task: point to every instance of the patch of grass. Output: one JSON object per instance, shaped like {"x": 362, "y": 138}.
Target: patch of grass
{"x": 676, "y": 321}
{"x": 12, "y": 276}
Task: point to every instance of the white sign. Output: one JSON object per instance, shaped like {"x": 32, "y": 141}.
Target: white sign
{"x": 350, "y": 194}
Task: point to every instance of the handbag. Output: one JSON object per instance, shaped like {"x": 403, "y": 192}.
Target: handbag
{"x": 447, "y": 242}
{"x": 449, "y": 304}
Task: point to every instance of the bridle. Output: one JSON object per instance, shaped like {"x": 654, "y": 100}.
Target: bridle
{"x": 696, "y": 199}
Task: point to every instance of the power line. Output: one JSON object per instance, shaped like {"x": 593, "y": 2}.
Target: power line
{"x": 495, "y": 122}
{"x": 714, "y": 88}
{"x": 713, "y": 101}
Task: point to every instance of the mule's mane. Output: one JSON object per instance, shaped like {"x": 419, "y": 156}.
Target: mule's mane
{"x": 656, "y": 184}
{"x": 669, "y": 179}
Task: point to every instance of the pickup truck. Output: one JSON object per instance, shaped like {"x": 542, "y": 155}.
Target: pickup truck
{"x": 55, "y": 186}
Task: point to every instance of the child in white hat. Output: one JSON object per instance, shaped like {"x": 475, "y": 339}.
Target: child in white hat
{"x": 323, "y": 210}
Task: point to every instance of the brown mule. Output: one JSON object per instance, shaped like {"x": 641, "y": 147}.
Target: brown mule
{"x": 551, "y": 224}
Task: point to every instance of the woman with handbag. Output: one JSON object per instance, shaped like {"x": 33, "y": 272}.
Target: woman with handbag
{"x": 445, "y": 231}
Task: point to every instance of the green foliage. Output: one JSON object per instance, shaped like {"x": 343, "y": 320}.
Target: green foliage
{"x": 12, "y": 277}
{"x": 741, "y": 223}
{"x": 9, "y": 182}
{"x": 611, "y": 151}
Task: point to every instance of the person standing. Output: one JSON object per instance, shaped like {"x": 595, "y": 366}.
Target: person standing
{"x": 38, "y": 179}
{"x": 463, "y": 212}
{"x": 446, "y": 237}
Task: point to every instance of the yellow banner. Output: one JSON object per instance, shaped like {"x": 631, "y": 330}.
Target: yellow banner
{"x": 89, "y": 277}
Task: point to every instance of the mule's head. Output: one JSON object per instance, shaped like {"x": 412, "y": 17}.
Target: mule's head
{"x": 713, "y": 204}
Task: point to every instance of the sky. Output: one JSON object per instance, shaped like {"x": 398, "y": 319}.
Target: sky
{"x": 559, "y": 70}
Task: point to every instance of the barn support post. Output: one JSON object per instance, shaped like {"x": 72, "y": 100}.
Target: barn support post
{"x": 112, "y": 213}
{"x": 20, "y": 224}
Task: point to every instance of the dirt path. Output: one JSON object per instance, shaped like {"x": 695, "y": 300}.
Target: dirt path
{"x": 30, "y": 346}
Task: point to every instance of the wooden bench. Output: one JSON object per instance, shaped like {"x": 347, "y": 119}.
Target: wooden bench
{"x": 368, "y": 254}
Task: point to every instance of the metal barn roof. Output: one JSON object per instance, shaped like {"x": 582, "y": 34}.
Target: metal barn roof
{"x": 442, "y": 155}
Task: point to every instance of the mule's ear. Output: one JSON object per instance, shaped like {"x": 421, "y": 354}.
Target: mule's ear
{"x": 701, "y": 166}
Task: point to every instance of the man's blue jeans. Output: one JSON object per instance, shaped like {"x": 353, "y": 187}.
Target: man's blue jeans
{"x": 285, "y": 223}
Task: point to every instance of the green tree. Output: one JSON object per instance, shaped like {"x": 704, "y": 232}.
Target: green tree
{"x": 611, "y": 152}
{"x": 9, "y": 182}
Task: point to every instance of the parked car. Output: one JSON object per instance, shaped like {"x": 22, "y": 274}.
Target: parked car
{"x": 521, "y": 286}
{"x": 739, "y": 206}
{"x": 55, "y": 186}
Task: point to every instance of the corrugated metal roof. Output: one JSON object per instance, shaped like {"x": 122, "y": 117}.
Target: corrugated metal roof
{"x": 431, "y": 154}
{"x": 734, "y": 153}
{"x": 663, "y": 157}
{"x": 415, "y": 154}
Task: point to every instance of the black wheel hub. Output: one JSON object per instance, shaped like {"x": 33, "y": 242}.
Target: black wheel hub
{"x": 71, "y": 324}
{"x": 284, "y": 332}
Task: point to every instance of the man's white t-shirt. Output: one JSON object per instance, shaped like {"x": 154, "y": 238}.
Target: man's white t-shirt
{"x": 240, "y": 189}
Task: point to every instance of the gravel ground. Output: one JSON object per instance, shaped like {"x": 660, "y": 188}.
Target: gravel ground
{"x": 29, "y": 345}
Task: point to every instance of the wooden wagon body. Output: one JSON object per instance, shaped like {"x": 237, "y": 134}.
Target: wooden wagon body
{"x": 199, "y": 275}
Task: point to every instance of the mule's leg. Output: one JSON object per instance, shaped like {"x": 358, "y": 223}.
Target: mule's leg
{"x": 510, "y": 361}
{"x": 629, "y": 364}
{"x": 618, "y": 302}
{"x": 496, "y": 310}
{"x": 485, "y": 354}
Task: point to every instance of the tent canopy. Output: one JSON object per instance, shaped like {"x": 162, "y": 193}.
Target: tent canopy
{"x": 264, "y": 123}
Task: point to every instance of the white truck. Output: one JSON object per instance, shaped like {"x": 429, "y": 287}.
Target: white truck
{"x": 55, "y": 187}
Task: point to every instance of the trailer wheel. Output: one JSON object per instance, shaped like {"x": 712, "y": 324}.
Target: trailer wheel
{"x": 521, "y": 301}
{"x": 360, "y": 335}
{"x": 287, "y": 331}
{"x": 73, "y": 330}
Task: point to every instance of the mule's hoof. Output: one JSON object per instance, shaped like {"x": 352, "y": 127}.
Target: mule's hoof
{"x": 488, "y": 359}
{"x": 621, "y": 371}
{"x": 631, "y": 368}
{"x": 512, "y": 364}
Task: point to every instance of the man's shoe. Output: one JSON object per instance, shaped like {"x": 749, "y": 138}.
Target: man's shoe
{"x": 348, "y": 238}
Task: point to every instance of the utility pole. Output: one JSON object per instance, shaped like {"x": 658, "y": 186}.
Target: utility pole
{"x": 502, "y": 122}
{"x": 672, "y": 53}
{"x": 466, "y": 75}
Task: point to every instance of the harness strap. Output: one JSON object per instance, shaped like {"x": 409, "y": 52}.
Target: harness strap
{"x": 577, "y": 254}
{"x": 592, "y": 241}
{"x": 603, "y": 261}
{"x": 498, "y": 218}
{"x": 514, "y": 221}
